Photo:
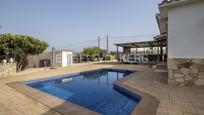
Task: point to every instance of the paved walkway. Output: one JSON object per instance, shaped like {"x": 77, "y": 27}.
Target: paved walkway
{"x": 173, "y": 100}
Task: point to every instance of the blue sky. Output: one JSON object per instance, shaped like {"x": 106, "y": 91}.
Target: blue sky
{"x": 75, "y": 24}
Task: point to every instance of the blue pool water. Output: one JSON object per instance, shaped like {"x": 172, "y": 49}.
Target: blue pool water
{"x": 93, "y": 90}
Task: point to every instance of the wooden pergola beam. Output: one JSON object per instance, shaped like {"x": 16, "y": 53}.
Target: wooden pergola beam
{"x": 142, "y": 44}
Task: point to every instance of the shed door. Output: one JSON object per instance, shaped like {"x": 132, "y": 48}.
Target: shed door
{"x": 69, "y": 61}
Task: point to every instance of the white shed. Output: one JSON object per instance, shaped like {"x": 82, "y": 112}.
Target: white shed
{"x": 63, "y": 58}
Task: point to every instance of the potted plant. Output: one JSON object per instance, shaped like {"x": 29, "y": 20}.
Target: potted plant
{"x": 11, "y": 60}
{"x": 4, "y": 61}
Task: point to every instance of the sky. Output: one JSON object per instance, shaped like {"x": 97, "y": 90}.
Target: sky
{"x": 75, "y": 24}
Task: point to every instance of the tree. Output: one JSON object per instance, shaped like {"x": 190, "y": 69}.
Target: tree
{"x": 102, "y": 53}
{"x": 7, "y": 45}
{"x": 92, "y": 51}
{"x": 20, "y": 46}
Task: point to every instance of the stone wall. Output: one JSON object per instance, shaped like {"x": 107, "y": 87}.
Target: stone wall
{"x": 7, "y": 69}
{"x": 186, "y": 72}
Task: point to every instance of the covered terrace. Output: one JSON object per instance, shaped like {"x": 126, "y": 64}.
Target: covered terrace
{"x": 156, "y": 47}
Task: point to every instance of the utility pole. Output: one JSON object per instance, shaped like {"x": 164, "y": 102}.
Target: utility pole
{"x": 0, "y": 27}
{"x": 107, "y": 43}
{"x": 98, "y": 41}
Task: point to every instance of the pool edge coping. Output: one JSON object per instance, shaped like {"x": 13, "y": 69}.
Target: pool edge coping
{"x": 147, "y": 105}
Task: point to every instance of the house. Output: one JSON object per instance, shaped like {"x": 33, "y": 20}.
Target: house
{"x": 182, "y": 21}
{"x": 58, "y": 58}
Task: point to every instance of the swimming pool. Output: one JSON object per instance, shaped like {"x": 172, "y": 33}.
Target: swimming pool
{"x": 94, "y": 90}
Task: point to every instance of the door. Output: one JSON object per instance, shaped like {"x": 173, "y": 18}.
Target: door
{"x": 69, "y": 59}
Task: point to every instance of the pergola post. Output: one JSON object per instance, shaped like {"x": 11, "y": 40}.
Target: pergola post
{"x": 136, "y": 50}
{"x": 161, "y": 53}
{"x": 123, "y": 50}
{"x": 118, "y": 58}
{"x": 158, "y": 52}
{"x": 152, "y": 50}
{"x": 144, "y": 51}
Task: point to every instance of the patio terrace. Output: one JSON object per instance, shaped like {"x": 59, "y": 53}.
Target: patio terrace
{"x": 174, "y": 100}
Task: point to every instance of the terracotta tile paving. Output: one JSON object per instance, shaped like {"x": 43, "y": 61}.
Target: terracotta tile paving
{"x": 173, "y": 100}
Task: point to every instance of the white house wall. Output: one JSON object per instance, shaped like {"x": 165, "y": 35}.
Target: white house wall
{"x": 186, "y": 31}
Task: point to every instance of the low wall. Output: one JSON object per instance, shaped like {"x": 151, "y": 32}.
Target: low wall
{"x": 186, "y": 72}
{"x": 7, "y": 69}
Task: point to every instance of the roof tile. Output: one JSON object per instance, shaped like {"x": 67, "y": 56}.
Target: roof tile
{"x": 167, "y": 2}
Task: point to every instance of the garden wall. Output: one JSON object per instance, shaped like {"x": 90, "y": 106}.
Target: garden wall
{"x": 7, "y": 69}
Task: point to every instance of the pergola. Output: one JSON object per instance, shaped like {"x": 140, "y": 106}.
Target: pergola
{"x": 141, "y": 44}
{"x": 159, "y": 41}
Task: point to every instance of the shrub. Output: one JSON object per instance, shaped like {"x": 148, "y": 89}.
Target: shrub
{"x": 109, "y": 57}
